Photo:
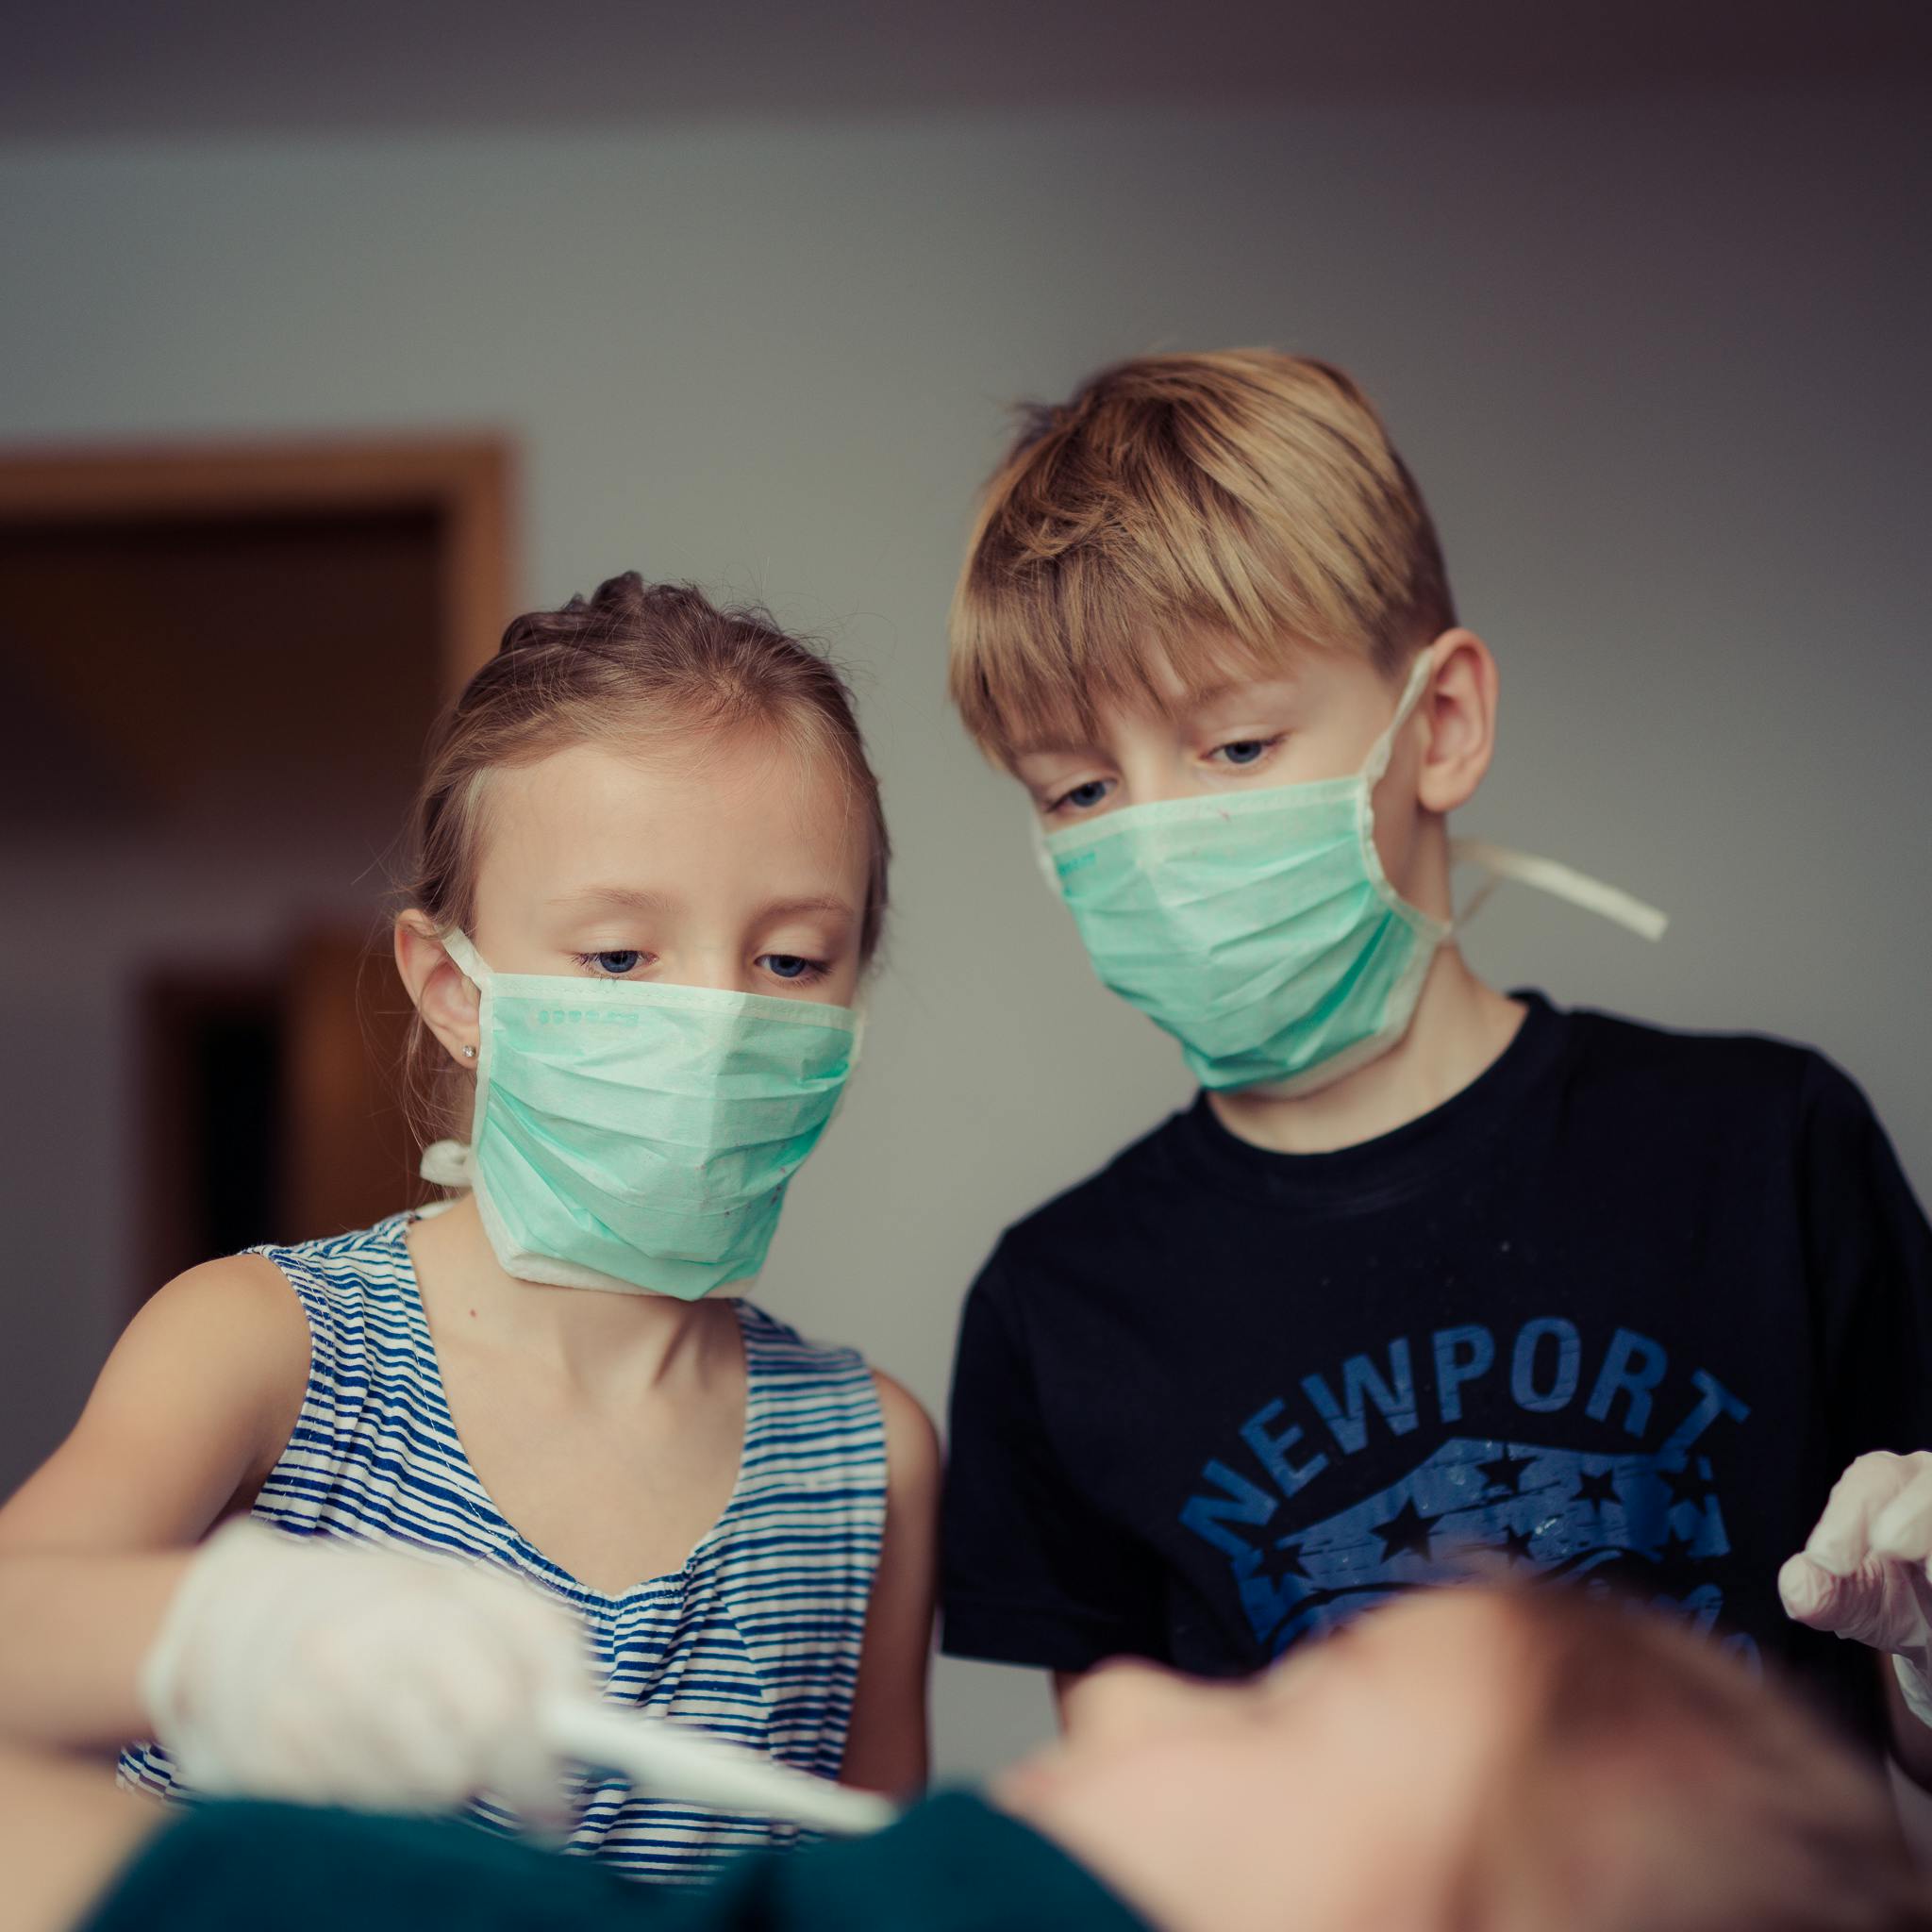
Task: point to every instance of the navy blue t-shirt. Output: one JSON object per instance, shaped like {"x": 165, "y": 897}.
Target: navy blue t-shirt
{"x": 1620, "y": 1310}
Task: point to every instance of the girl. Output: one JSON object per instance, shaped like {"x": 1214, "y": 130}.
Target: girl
{"x": 651, "y": 872}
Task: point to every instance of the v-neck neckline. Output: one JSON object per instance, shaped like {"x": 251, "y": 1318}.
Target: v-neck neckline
{"x": 418, "y": 1315}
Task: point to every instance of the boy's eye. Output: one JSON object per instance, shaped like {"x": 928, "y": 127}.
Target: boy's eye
{"x": 1244, "y": 751}
{"x": 789, "y": 966}
{"x": 613, "y": 964}
{"x": 1082, "y": 797}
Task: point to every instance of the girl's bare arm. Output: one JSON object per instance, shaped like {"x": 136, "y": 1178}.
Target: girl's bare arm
{"x": 194, "y": 1406}
{"x": 886, "y": 1749}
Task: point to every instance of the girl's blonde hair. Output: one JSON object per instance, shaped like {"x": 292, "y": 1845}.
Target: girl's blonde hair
{"x": 1198, "y": 515}
{"x": 631, "y": 660}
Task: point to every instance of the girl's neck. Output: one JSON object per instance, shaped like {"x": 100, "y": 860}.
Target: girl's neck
{"x": 1460, "y": 1028}
{"x": 592, "y": 1337}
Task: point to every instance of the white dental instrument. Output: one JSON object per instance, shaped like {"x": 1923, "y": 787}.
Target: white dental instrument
{"x": 671, "y": 1759}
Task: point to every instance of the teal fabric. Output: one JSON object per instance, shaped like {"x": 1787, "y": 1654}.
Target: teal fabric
{"x": 1256, "y": 927}
{"x": 631, "y": 1134}
{"x": 952, "y": 1864}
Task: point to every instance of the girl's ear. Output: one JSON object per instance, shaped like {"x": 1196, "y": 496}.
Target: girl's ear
{"x": 1460, "y": 711}
{"x": 444, "y": 994}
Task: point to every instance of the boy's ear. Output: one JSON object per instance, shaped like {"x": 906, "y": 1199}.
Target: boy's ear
{"x": 442, "y": 993}
{"x": 1460, "y": 713}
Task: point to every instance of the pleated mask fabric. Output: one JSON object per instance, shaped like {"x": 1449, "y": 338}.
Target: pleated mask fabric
{"x": 636, "y": 1136}
{"x": 1256, "y": 927}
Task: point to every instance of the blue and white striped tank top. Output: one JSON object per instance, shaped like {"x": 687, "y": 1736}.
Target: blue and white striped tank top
{"x": 757, "y": 1638}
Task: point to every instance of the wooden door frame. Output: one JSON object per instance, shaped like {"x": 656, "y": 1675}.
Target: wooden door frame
{"x": 466, "y": 480}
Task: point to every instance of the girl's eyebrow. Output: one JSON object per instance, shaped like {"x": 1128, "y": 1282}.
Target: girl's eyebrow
{"x": 632, "y": 899}
{"x": 625, "y": 898}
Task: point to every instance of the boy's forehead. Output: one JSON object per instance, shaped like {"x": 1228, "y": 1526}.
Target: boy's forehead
{"x": 1191, "y": 669}
{"x": 1173, "y": 688}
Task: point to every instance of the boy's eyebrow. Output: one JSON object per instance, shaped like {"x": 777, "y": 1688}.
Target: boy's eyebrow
{"x": 1036, "y": 747}
{"x": 785, "y": 907}
{"x": 1198, "y": 698}
{"x": 1194, "y": 698}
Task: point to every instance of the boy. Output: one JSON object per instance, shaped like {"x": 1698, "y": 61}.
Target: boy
{"x": 1423, "y": 1266}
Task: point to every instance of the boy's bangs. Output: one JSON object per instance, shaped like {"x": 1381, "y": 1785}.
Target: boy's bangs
{"x": 1213, "y": 515}
{"x": 1035, "y": 671}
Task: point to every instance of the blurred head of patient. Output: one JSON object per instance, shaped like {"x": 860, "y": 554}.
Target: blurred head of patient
{"x": 649, "y": 873}
{"x": 1478, "y": 1758}
{"x": 1467, "y": 1760}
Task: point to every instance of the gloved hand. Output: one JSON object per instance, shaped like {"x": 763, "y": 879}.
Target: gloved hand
{"x": 333, "y": 1673}
{"x": 1864, "y": 1573}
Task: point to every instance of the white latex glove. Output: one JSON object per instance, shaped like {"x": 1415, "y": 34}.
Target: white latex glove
{"x": 333, "y": 1673}
{"x": 1864, "y": 1571}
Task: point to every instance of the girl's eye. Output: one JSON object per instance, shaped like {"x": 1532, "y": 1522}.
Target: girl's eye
{"x": 1082, "y": 797}
{"x": 1244, "y": 751}
{"x": 789, "y": 966}
{"x": 614, "y": 964}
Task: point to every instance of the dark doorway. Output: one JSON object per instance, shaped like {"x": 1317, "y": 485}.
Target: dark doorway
{"x": 218, "y": 671}
{"x": 214, "y": 1091}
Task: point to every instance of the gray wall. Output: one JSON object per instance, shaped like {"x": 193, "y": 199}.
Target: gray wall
{"x": 1660, "y": 364}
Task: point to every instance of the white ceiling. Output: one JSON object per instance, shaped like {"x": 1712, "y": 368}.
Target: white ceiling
{"x": 102, "y": 68}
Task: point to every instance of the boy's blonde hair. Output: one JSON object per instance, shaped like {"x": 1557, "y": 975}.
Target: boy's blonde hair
{"x": 1200, "y": 515}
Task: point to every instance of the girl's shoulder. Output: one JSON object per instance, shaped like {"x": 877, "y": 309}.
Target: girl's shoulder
{"x": 779, "y": 1351}
{"x": 776, "y": 1347}
{"x": 232, "y": 1315}
{"x": 805, "y": 1392}
{"x": 365, "y": 1262}
{"x": 358, "y": 1293}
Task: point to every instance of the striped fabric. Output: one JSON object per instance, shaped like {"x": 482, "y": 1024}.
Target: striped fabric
{"x": 757, "y": 1638}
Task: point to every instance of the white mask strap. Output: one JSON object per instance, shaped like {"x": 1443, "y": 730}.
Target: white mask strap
{"x": 1042, "y": 857}
{"x": 452, "y": 1163}
{"x": 448, "y": 1164}
{"x": 1411, "y": 696}
{"x": 456, "y": 943}
{"x": 1503, "y": 862}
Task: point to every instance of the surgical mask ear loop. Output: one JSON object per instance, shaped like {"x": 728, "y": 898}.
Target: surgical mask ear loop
{"x": 456, "y": 943}
{"x": 861, "y": 1005}
{"x": 1477, "y": 899}
{"x": 452, "y": 1163}
{"x": 1500, "y": 862}
{"x": 1384, "y": 747}
{"x": 1042, "y": 857}
{"x": 1434, "y": 931}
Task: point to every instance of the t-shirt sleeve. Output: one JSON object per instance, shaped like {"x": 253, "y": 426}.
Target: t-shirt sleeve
{"x": 1032, "y": 1572}
{"x": 1871, "y": 1255}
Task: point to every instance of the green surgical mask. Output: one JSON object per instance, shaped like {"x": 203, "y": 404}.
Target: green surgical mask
{"x": 636, "y": 1135}
{"x": 1258, "y": 928}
